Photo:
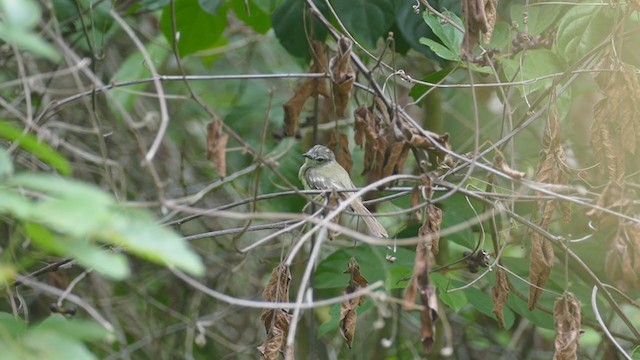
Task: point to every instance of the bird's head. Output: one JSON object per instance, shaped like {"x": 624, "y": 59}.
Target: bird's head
{"x": 320, "y": 155}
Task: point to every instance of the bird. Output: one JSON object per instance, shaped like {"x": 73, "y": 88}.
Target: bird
{"x": 321, "y": 171}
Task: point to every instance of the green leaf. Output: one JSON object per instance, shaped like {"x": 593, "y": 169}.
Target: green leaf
{"x": 532, "y": 65}
{"x": 373, "y": 266}
{"x": 410, "y": 27}
{"x": 136, "y": 232}
{"x": 196, "y": 29}
{"x": 14, "y": 204}
{"x": 210, "y": 6}
{"x": 484, "y": 303}
{"x": 89, "y": 255}
{"x": 23, "y": 14}
{"x": 291, "y": 26}
{"x": 80, "y": 210}
{"x": 455, "y": 300}
{"x": 635, "y": 354}
{"x": 56, "y": 338}
{"x": 254, "y": 16}
{"x": 31, "y": 144}
{"x": 134, "y": 68}
{"x": 580, "y": 30}
{"x": 440, "y": 50}
{"x": 450, "y": 37}
{"x": 418, "y": 90}
{"x": 6, "y": 165}
{"x": 366, "y": 20}
{"x": 539, "y": 17}
{"x": 501, "y": 36}
{"x": 62, "y": 188}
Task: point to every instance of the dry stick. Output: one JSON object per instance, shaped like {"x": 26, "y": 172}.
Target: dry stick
{"x": 164, "y": 115}
{"x": 255, "y": 304}
{"x": 302, "y": 289}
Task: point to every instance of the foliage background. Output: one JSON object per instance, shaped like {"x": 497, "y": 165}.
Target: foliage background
{"x": 104, "y": 159}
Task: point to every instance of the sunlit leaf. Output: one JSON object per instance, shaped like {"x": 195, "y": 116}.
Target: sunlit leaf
{"x": 31, "y": 144}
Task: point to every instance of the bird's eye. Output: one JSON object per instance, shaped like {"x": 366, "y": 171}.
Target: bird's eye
{"x": 321, "y": 160}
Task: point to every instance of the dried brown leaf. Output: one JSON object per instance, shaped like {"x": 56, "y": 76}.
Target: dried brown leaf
{"x": 501, "y": 164}
{"x": 276, "y": 321}
{"x": 276, "y": 337}
{"x": 420, "y": 268}
{"x": 348, "y": 317}
{"x": 339, "y": 143}
{"x": 566, "y": 316}
{"x": 348, "y": 308}
{"x": 428, "y": 317}
{"x": 342, "y": 76}
{"x": 622, "y": 261}
{"x": 500, "y": 294}
{"x": 310, "y": 87}
{"x": 541, "y": 261}
{"x": 392, "y": 163}
{"x": 480, "y": 17}
{"x": 217, "y": 146}
{"x": 415, "y": 201}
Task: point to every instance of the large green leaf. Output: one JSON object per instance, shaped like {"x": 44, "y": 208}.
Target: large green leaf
{"x": 532, "y": 65}
{"x": 447, "y": 33}
{"x": 291, "y": 25}
{"x": 31, "y": 144}
{"x": 55, "y": 338}
{"x": 366, "y": 20}
{"x": 252, "y": 14}
{"x": 197, "y": 29}
{"x": 539, "y": 17}
{"x": 581, "y": 29}
{"x": 85, "y": 213}
{"x": 410, "y": 28}
{"x": 373, "y": 266}
{"x": 6, "y": 165}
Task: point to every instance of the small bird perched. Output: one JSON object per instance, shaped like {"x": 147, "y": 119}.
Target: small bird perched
{"x": 321, "y": 171}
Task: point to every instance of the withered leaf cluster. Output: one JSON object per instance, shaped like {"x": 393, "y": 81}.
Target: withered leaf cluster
{"x": 480, "y": 17}
{"x": 616, "y": 126}
{"x": 387, "y": 141}
{"x": 500, "y": 294}
{"x": 501, "y": 164}
{"x": 349, "y": 308}
{"x": 339, "y": 144}
{"x": 310, "y": 87}
{"x": 217, "y": 146}
{"x": 552, "y": 170}
{"x": 425, "y": 258}
{"x": 566, "y": 316}
{"x": 276, "y": 321}
{"x": 342, "y": 76}
{"x": 622, "y": 262}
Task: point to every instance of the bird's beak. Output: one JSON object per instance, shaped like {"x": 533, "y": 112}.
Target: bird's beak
{"x": 307, "y": 155}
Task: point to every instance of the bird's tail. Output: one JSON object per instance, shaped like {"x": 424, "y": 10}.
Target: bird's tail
{"x": 375, "y": 228}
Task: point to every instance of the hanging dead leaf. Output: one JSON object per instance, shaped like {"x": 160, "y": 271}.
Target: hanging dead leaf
{"x": 428, "y": 317}
{"x": 541, "y": 261}
{"x": 217, "y": 146}
{"x": 616, "y": 125}
{"x": 566, "y": 316}
{"x": 622, "y": 261}
{"x": 501, "y": 164}
{"x": 500, "y": 294}
{"x": 415, "y": 201}
{"x": 276, "y": 321}
{"x": 480, "y": 17}
{"x": 348, "y": 308}
{"x": 339, "y": 143}
{"x": 310, "y": 87}
{"x": 342, "y": 76}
